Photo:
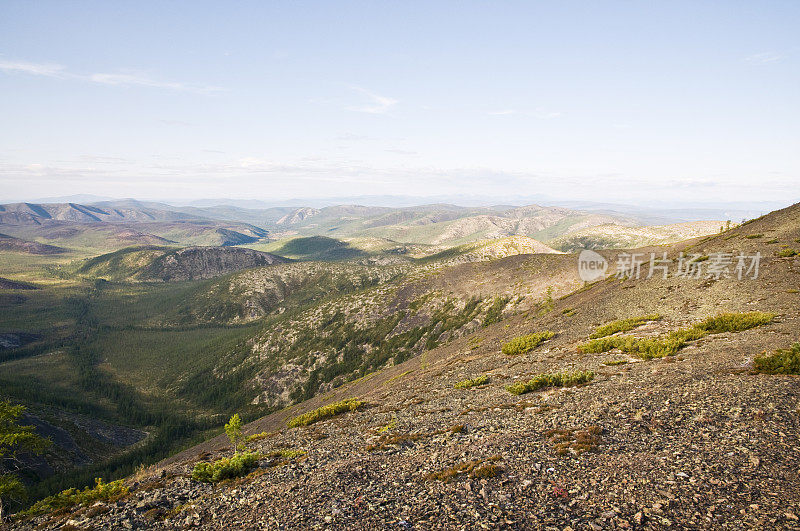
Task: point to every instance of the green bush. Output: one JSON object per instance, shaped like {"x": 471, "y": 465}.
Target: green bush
{"x": 331, "y": 410}
{"x": 782, "y": 361}
{"x": 734, "y": 322}
{"x": 226, "y": 468}
{"x": 287, "y": 453}
{"x": 71, "y": 497}
{"x": 786, "y": 252}
{"x": 623, "y": 325}
{"x": 466, "y": 384}
{"x": 557, "y": 379}
{"x": 671, "y": 343}
{"x": 523, "y": 344}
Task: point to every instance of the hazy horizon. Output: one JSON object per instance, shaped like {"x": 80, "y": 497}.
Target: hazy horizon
{"x": 620, "y": 103}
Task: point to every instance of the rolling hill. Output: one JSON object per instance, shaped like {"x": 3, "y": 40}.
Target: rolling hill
{"x": 9, "y": 243}
{"x": 172, "y": 265}
{"x": 614, "y": 236}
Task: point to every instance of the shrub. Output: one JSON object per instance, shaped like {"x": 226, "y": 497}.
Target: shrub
{"x": 259, "y": 436}
{"x": 286, "y": 453}
{"x": 558, "y": 379}
{"x": 523, "y": 344}
{"x": 478, "y": 468}
{"x": 71, "y": 497}
{"x": 734, "y": 322}
{"x": 331, "y": 410}
{"x": 466, "y": 384}
{"x": 489, "y": 470}
{"x": 225, "y": 468}
{"x": 575, "y": 441}
{"x": 623, "y": 325}
{"x": 753, "y": 236}
{"x": 786, "y": 252}
{"x": 671, "y": 343}
{"x": 782, "y": 361}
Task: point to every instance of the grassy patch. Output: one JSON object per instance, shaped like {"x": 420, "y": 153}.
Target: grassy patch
{"x": 387, "y": 440}
{"x": 611, "y": 363}
{"x": 782, "y": 361}
{"x": 259, "y": 436}
{"x": 473, "y": 382}
{"x": 478, "y": 468}
{"x": 671, "y": 343}
{"x": 753, "y": 236}
{"x": 225, "y": 468}
{"x": 569, "y": 312}
{"x": 71, "y": 497}
{"x": 286, "y": 453}
{"x": 786, "y": 252}
{"x": 388, "y": 427}
{"x": 331, "y": 410}
{"x": 575, "y": 442}
{"x": 393, "y": 378}
{"x": 623, "y": 325}
{"x": 523, "y": 344}
{"x": 557, "y": 379}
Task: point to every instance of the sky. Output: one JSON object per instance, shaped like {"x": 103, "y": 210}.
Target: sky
{"x": 633, "y": 102}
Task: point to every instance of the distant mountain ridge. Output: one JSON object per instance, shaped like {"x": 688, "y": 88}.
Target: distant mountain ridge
{"x": 441, "y": 225}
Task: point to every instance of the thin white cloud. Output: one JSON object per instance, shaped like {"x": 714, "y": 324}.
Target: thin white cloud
{"x": 36, "y": 69}
{"x": 763, "y": 58}
{"x": 377, "y": 105}
{"x": 116, "y": 79}
{"x": 502, "y": 112}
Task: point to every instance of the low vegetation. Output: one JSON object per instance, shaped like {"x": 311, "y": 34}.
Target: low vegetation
{"x": 473, "y": 382}
{"x": 225, "y": 468}
{"x": 324, "y": 412}
{"x": 623, "y": 325}
{"x": 782, "y": 361}
{"x": 669, "y": 344}
{"x": 478, "y": 468}
{"x": 259, "y": 436}
{"x": 557, "y": 379}
{"x": 104, "y": 492}
{"x": 523, "y": 344}
{"x": 575, "y": 442}
{"x": 787, "y": 252}
{"x": 286, "y": 453}
{"x": 387, "y": 440}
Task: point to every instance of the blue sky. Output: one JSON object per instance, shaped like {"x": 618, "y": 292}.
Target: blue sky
{"x": 608, "y": 101}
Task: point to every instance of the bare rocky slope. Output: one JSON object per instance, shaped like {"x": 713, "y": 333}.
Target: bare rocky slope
{"x": 694, "y": 440}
